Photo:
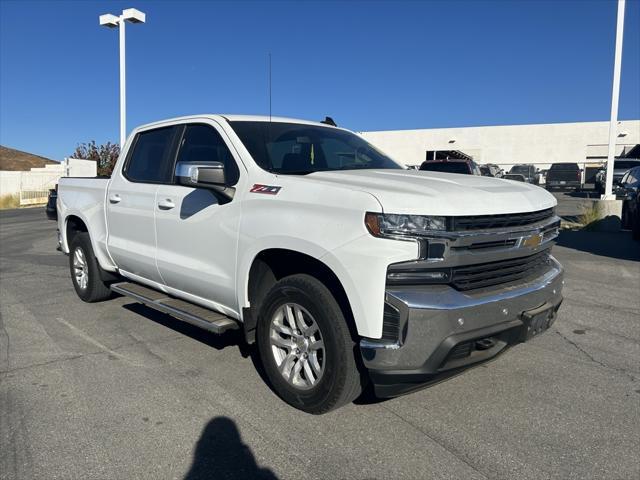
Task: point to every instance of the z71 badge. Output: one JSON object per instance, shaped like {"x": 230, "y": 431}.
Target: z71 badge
{"x": 268, "y": 189}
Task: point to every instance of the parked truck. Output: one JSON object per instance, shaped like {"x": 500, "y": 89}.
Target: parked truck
{"x": 345, "y": 268}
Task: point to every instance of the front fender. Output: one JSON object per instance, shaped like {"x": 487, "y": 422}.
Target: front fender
{"x": 360, "y": 265}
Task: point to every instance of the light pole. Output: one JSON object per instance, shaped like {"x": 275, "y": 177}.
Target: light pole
{"x": 112, "y": 21}
{"x": 615, "y": 95}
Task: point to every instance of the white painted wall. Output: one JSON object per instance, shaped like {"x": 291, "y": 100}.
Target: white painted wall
{"x": 9, "y": 182}
{"x": 542, "y": 144}
{"x": 43, "y": 178}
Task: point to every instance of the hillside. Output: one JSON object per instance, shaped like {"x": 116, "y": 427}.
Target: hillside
{"x": 11, "y": 159}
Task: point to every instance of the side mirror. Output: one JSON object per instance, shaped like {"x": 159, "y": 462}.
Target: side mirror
{"x": 203, "y": 175}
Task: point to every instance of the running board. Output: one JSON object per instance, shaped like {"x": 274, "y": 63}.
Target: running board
{"x": 181, "y": 309}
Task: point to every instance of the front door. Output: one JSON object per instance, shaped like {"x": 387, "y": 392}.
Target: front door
{"x": 197, "y": 228}
{"x": 131, "y": 202}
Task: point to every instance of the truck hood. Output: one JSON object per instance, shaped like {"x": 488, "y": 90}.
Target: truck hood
{"x": 435, "y": 193}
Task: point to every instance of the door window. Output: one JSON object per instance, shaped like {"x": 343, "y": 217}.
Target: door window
{"x": 203, "y": 144}
{"x": 150, "y": 158}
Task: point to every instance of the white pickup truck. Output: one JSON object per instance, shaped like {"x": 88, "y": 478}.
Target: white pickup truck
{"x": 344, "y": 267}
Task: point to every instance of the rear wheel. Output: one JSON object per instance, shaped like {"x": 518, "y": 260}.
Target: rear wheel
{"x": 306, "y": 347}
{"x": 85, "y": 270}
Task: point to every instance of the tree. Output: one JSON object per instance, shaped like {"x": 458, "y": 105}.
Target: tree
{"x": 104, "y": 155}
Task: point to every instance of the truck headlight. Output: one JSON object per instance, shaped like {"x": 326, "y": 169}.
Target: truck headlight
{"x": 391, "y": 225}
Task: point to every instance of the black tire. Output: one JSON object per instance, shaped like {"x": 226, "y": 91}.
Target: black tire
{"x": 626, "y": 223}
{"x": 635, "y": 222}
{"x": 341, "y": 381}
{"x": 95, "y": 289}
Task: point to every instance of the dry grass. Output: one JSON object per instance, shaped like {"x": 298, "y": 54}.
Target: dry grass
{"x": 9, "y": 201}
{"x": 591, "y": 213}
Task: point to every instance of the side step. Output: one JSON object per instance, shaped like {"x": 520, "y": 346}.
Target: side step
{"x": 181, "y": 309}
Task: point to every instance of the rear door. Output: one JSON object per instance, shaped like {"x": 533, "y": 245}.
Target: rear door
{"x": 131, "y": 201}
{"x": 197, "y": 228}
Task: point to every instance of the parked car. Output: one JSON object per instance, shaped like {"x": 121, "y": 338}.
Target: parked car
{"x": 515, "y": 176}
{"x": 629, "y": 191}
{"x": 465, "y": 167}
{"x": 620, "y": 167}
{"x": 490, "y": 170}
{"x": 564, "y": 176}
{"x": 340, "y": 264}
{"x": 51, "y": 208}
{"x": 526, "y": 170}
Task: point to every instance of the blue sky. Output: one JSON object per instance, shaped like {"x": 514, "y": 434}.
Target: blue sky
{"x": 369, "y": 65}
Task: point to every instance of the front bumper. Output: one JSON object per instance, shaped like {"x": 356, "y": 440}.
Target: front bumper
{"x": 444, "y": 330}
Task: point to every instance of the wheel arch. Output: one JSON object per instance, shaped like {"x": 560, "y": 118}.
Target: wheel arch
{"x": 75, "y": 222}
{"x": 272, "y": 264}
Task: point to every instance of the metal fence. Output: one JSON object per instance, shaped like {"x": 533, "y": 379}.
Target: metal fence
{"x": 35, "y": 186}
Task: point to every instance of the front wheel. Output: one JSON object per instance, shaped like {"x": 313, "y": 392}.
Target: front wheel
{"x": 85, "y": 270}
{"x": 305, "y": 346}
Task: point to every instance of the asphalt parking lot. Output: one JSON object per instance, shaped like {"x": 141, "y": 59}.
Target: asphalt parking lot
{"x": 115, "y": 390}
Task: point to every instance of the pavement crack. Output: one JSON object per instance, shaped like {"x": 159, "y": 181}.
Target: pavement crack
{"x": 426, "y": 434}
{"x": 595, "y": 360}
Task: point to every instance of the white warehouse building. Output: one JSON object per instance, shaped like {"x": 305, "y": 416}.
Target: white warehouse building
{"x": 584, "y": 143}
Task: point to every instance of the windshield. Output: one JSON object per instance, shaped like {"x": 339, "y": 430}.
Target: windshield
{"x": 449, "y": 167}
{"x": 522, "y": 169}
{"x": 298, "y": 149}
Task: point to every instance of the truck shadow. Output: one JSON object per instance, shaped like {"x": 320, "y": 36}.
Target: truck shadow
{"x": 228, "y": 339}
{"x": 221, "y": 453}
{"x": 606, "y": 244}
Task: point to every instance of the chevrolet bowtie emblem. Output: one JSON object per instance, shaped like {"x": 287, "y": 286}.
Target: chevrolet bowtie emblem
{"x": 532, "y": 241}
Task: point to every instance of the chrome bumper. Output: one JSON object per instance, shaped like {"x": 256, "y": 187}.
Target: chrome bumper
{"x": 436, "y": 318}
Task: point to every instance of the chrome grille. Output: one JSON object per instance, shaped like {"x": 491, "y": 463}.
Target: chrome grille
{"x": 486, "y": 222}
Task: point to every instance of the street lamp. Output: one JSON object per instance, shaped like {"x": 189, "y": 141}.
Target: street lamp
{"x": 615, "y": 94}
{"x": 112, "y": 21}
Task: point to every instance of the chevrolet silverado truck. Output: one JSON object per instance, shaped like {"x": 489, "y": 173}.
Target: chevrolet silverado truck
{"x": 345, "y": 268}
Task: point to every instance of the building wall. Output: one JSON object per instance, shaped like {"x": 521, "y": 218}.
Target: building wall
{"x": 542, "y": 144}
{"x": 43, "y": 178}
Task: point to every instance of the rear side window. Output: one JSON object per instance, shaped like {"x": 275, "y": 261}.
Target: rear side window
{"x": 150, "y": 159}
{"x": 203, "y": 144}
{"x": 565, "y": 166}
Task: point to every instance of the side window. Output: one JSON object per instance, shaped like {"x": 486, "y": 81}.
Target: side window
{"x": 150, "y": 157}
{"x": 203, "y": 144}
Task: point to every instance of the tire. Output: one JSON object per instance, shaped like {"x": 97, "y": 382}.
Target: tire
{"x": 82, "y": 260}
{"x": 635, "y": 223}
{"x": 626, "y": 223}
{"x": 320, "y": 379}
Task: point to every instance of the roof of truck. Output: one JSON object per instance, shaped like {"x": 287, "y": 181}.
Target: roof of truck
{"x": 238, "y": 118}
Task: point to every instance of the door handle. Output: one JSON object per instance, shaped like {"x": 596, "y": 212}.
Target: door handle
{"x": 166, "y": 204}
{"x": 114, "y": 198}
